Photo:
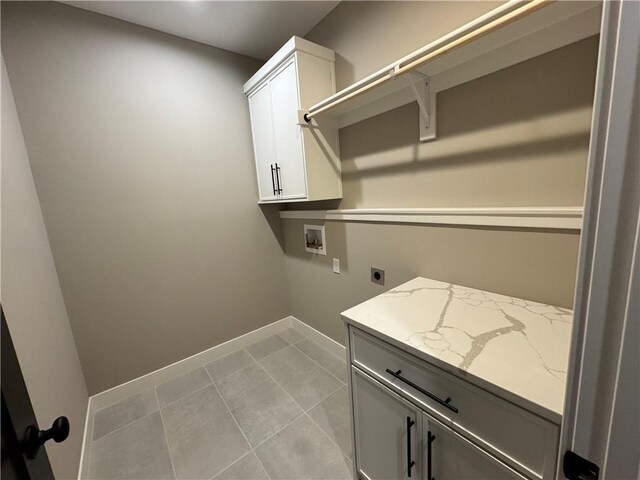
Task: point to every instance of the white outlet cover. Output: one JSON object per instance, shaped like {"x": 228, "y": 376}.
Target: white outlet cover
{"x": 336, "y": 265}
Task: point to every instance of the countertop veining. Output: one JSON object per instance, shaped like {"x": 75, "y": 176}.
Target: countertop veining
{"x": 519, "y": 346}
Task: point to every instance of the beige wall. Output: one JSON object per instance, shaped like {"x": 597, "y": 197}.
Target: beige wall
{"x": 535, "y": 265}
{"x": 141, "y": 153}
{"x": 518, "y": 137}
{"x": 370, "y": 35}
{"x": 33, "y": 303}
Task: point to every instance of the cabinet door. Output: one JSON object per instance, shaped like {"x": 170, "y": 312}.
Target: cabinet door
{"x": 387, "y": 431}
{"x": 263, "y": 141}
{"x": 288, "y": 135}
{"x": 449, "y": 456}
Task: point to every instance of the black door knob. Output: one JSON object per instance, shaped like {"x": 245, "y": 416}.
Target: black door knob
{"x": 34, "y": 437}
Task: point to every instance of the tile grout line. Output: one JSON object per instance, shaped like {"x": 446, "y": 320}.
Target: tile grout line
{"x": 213, "y": 383}
{"x": 284, "y": 427}
{"x": 304, "y": 412}
{"x": 204, "y": 366}
{"x": 237, "y": 425}
{"x": 150, "y": 413}
{"x": 319, "y": 345}
{"x": 314, "y": 361}
{"x": 285, "y": 390}
{"x": 288, "y": 344}
{"x": 183, "y": 398}
{"x": 164, "y": 431}
{"x": 250, "y": 452}
{"x": 292, "y": 399}
{"x": 159, "y": 408}
{"x": 327, "y": 435}
{"x": 293, "y": 420}
{"x": 123, "y": 426}
{"x": 253, "y": 360}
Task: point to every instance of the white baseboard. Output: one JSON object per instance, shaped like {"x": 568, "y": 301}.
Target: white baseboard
{"x": 83, "y": 468}
{"x": 328, "y": 343}
{"x": 140, "y": 384}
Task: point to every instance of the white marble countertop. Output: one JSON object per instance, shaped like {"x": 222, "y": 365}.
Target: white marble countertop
{"x": 515, "y": 348}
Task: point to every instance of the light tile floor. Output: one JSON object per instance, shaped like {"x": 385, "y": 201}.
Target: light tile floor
{"x": 276, "y": 409}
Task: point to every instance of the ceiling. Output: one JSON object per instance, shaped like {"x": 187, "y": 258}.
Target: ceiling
{"x": 254, "y": 28}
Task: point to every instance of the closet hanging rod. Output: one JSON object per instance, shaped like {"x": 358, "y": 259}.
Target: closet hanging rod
{"x": 522, "y": 11}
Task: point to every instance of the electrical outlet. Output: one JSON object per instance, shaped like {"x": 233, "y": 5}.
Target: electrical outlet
{"x": 377, "y": 275}
{"x": 336, "y": 265}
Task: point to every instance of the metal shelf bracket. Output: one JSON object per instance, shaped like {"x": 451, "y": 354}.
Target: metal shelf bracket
{"x": 421, "y": 87}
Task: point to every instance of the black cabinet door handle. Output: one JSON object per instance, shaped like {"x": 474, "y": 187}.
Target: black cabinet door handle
{"x": 410, "y": 463}
{"x": 430, "y": 438}
{"x": 273, "y": 182}
{"x": 278, "y": 178}
{"x": 444, "y": 403}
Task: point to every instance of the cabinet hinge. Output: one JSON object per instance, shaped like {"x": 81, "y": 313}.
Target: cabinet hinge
{"x": 575, "y": 467}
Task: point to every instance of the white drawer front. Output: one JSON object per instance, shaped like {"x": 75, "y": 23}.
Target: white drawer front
{"x": 518, "y": 436}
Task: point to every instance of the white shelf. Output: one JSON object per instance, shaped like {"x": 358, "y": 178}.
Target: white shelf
{"x": 552, "y": 27}
{"x": 555, "y": 218}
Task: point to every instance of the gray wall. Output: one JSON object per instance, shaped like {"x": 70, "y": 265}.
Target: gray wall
{"x": 369, "y": 35}
{"x": 535, "y": 265}
{"x": 518, "y": 137}
{"x": 141, "y": 153}
{"x": 32, "y": 300}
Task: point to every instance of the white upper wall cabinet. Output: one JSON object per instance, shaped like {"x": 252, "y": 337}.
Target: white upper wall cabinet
{"x": 295, "y": 161}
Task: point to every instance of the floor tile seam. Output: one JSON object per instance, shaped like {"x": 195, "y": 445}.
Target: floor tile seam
{"x": 282, "y": 387}
{"x": 314, "y": 361}
{"x": 124, "y": 426}
{"x": 253, "y": 449}
{"x": 261, "y": 465}
{"x": 302, "y": 413}
{"x": 117, "y": 402}
{"x": 301, "y": 407}
{"x": 250, "y": 452}
{"x": 321, "y": 346}
{"x": 251, "y": 389}
{"x": 327, "y": 435}
{"x": 296, "y": 418}
{"x": 237, "y": 425}
{"x": 186, "y": 396}
{"x": 298, "y": 340}
{"x": 191, "y": 370}
{"x": 253, "y": 362}
{"x": 323, "y": 399}
{"x": 272, "y": 353}
{"x": 166, "y": 438}
{"x": 157, "y": 398}
{"x": 277, "y": 432}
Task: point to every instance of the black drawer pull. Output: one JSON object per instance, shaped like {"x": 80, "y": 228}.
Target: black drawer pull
{"x": 410, "y": 463}
{"x": 278, "y": 178}
{"x": 430, "y": 438}
{"x": 273, "y": 182}
{"x": 444, "y": 403}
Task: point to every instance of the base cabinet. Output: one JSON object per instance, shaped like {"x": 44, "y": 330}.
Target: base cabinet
{"x": 387, "y": 431}
{"x": 449, "y": 456}
{"x": 394, "y": 439}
